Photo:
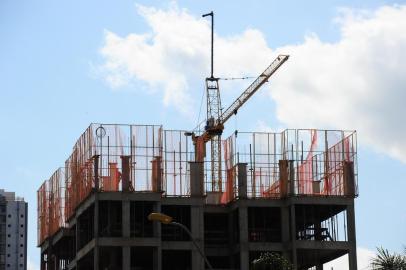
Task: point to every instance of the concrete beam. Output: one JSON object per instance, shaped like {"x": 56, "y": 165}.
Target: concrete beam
{"x": 321, "y": 200}
{"x": 177, "y": 245}
{"x": 129, "y": 241}
{"x": 252, "y": 246}
{"x": 192, "y": 201}
{"x": 85, "y": 250}
{"x": 326, "y": 245}
{"x": 130, "y": 196}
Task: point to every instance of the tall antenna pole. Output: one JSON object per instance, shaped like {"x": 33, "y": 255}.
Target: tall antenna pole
{"x": 211, "y": 14}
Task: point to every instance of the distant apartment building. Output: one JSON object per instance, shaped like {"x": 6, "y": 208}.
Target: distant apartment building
{"x": 13, "y": 231}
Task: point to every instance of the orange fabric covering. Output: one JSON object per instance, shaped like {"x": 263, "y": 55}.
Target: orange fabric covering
{"x": 306, "y": 168}
{"x": 336, "y": 156}
{"x": 272, "y": 191}
{"x": 111, "y": 182}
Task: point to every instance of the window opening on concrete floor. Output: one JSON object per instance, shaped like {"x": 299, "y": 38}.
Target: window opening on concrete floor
{"x": 110, "y": 219}
{"x": 85, "y": 225}
{"x": 220, "y": 262}
{"x": 139, "y": 223}
{"x": 180, "y": 214}
{"x": 216, "y": 229}
{"x": 87, "y": 262}
{"x": 264, "y": 224}
{"x": 110, "y": 258}
{"x": 321, "y": 222}
{"x": 176, "y": 259}
{"x": 142, "y": 258}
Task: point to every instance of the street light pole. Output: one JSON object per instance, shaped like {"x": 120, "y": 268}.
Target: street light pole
{"x": 165, "y": 219}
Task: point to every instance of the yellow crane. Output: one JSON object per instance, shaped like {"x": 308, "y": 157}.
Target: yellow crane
{"x": 216, "y": 118}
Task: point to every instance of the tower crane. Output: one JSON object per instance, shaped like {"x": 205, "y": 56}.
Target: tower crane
{"x": 216, "y": 118}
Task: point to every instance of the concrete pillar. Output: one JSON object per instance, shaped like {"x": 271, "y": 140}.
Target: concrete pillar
{"x": 157, "y": 174}
{"x": 196, "y": 179}
{"x": 291, "y": 177}
{"x": 352, "y": 253}
{"x": 125, "y": 174}
{"x": 157, "y": 252}
{"x": 293, "y": 258}
{"x": 243, "y": 225}
{"x": 242, "y": 180}
{"x": 126, "y": 252}
{"x": 283, "y": 176}
{"x": 197, "y": 230}
{"x": 285, "y": 229}
{"x": 96, "y": 232}
{"x": 349, "y": 179}
{"x": 96, "y": 171}
{"x": 157, "y": 257}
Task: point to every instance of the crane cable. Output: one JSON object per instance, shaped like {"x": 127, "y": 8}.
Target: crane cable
{"x": 200, "y": 111}
{"x": 237, "y": 78}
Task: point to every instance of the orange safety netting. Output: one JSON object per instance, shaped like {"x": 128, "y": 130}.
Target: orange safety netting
{"x": 43, "y": 217}
{"x": 306, "y": 168}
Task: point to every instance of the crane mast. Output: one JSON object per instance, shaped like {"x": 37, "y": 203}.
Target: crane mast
{"x": 213, "y": 115}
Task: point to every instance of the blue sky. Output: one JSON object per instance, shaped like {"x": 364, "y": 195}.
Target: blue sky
{"x": 54, "y": 76}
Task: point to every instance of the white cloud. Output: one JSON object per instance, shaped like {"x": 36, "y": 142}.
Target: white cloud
{"x": 357, "y": 82}
{"x": 363, "y": 260}
{"x": 175, "y": 55}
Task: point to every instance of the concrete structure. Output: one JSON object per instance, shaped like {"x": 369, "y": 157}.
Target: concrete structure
{"x": 303, "y": 212}
{"x": 13, "y": 231}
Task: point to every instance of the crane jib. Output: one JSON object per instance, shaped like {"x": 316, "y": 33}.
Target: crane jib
{"x": 263, "y": 78}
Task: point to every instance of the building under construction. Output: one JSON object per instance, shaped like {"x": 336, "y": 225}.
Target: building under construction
{"x": 290, "y": 192}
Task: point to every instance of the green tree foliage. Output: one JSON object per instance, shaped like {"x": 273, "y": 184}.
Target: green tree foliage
{"x": 384, "y": 260}
{"x": 271, "y": 261}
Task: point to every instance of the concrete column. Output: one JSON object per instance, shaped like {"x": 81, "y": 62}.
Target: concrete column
{"x": 243, "y": 225}
{"x": 157, "y": 257}
{"x": 242, "y": 180}
{"x": 197, "y": 229}
{"x": 283, "y": 176}
{"x": 157, "y": 174}
{"x": 96, "y": 232}
{"x": 352, "y": 254}
{"x": 285, "y": 229}
{"x": 349, "y": 179}
{"x": 126, "y": 233}
{"x": 125, "y": 174}
{"x": 157, "y": 252}
{"x": 293, "y": 258}
{"x": 196, "y": 179}
{"x": 126, "y": 258}
{"x": 96, "y": 171}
